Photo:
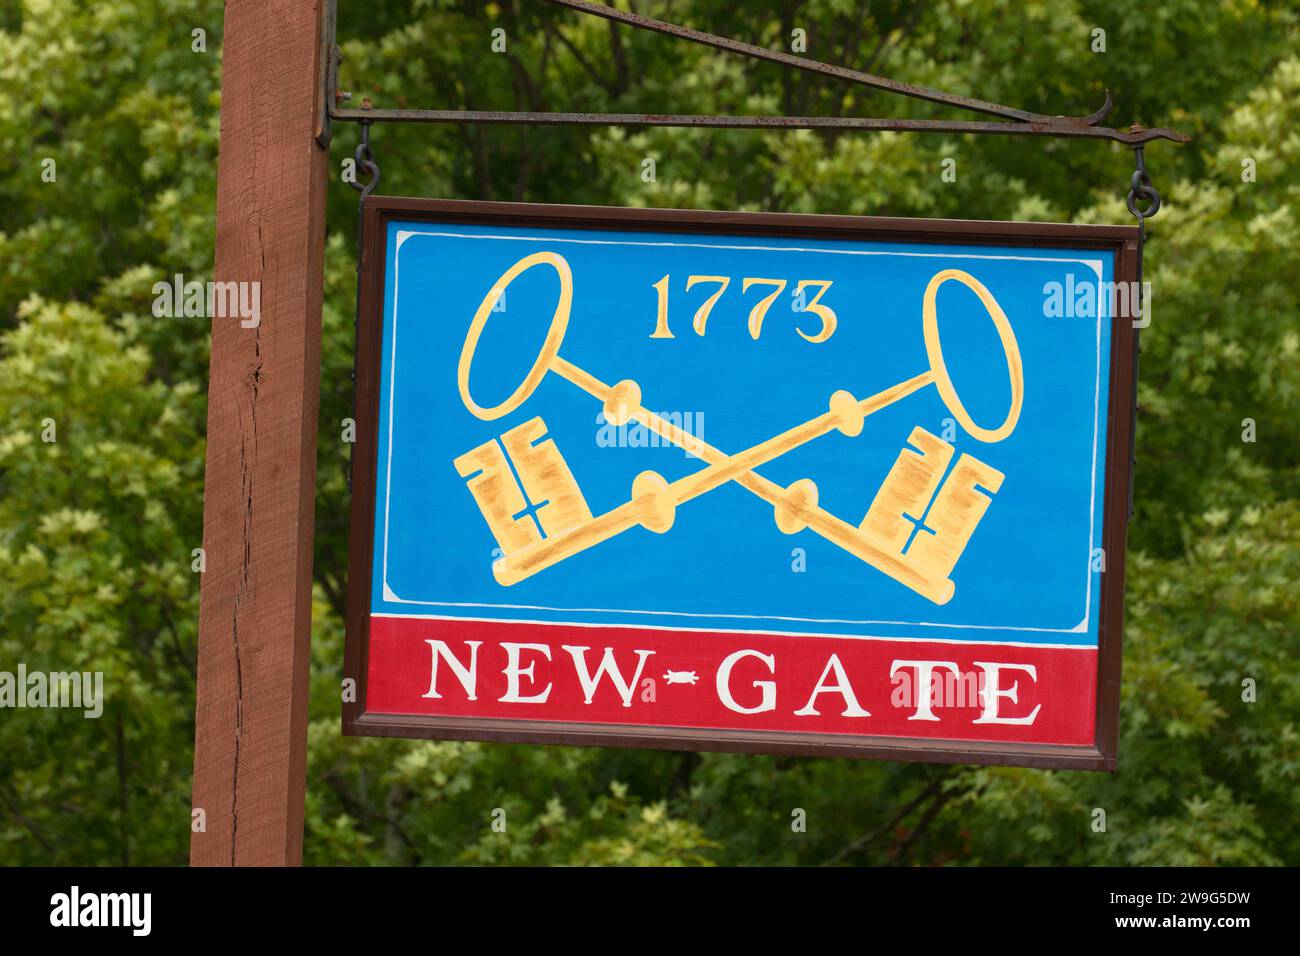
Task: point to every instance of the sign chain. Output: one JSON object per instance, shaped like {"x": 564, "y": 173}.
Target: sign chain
{"x": 1140, "y": 189}
{"x": 365, "y": 161}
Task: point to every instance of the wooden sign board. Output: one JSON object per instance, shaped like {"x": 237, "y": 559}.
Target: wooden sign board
{"x": 742, "y": 482}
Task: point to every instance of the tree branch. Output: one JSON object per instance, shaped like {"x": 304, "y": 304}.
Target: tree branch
{"x": 866, "y": 840}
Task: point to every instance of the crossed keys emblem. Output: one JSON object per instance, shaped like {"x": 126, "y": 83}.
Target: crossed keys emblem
{"x": 887, "y": 538}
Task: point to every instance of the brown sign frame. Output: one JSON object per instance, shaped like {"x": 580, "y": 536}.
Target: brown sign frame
{"x": 378, "y": 211}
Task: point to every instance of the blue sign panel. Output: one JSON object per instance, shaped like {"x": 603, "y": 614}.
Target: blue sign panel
{"x": 841, "y": 436}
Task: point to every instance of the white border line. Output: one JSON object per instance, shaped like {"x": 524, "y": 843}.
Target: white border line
{"x": 390, "y": 595}
{"x": 724, "y": 630}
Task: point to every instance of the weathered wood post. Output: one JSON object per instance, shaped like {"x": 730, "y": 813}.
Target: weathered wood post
{"x": 259, "y": 491}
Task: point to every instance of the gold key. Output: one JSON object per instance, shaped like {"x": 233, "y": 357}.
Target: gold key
{"x": 562, "y": 525}
{"x": 546, "y": 479}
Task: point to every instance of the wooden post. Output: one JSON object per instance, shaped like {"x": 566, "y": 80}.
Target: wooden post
{"x": 250, "y": 738}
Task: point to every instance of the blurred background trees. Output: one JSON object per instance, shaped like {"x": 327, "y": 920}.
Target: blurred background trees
{"x": 97, "y": 528}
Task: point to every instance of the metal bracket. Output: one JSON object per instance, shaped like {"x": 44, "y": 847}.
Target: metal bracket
{"x": 1024, "y": 123}
{"x": 326, "y": 67}
{"x": 826, "y": 69}
{"x": 328, "y": 60}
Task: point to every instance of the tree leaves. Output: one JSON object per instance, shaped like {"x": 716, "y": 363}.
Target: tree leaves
{"x": 98, "y": 526}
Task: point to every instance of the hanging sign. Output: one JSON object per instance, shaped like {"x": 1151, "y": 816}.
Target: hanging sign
{"x": 729, "y": 481}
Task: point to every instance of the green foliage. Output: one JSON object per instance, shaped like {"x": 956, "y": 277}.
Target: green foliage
{"x": 97, "y": 527}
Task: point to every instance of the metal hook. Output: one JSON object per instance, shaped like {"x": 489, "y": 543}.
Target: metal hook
{"x": 1140, "y": 188}
{"x": 365, "y": 160}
